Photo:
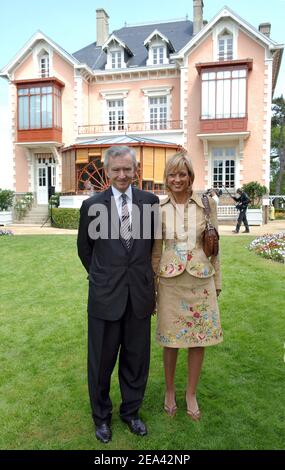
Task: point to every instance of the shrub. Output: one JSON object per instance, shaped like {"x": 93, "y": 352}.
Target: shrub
{"x": 24, "y": 204}
{"x": 6, "y": 199}
{"x": 54, "y": 200}
{"x": 65, "y": 218}
{"x": 255, "y": 191}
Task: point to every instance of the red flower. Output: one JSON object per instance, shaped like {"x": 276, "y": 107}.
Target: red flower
{"x": 189, "y": 257}
{"x": 191, "y": 309}
{"x": 189, "y": 324}
{"x": 196, "y": 315}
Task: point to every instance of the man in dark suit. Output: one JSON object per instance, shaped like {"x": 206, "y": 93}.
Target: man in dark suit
{"x": 121, "y": 296}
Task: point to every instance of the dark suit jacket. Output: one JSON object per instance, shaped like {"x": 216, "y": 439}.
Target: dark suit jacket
{"x": 113, "y": 271}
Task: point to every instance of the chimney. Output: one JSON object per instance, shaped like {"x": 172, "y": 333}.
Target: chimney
{"x": 265, "y": 28}
{"x": 102, "y": 26}
{"x": 197, "y": 16}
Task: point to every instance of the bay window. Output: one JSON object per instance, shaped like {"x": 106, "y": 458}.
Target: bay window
{"x": 224, "y": 93}
{"x": 39, "y": 107}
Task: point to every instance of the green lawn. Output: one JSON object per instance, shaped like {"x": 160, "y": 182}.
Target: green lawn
{"x": 44, "y": 402}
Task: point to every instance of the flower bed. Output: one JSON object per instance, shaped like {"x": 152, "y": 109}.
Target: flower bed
{"x": 271, "y": 246}
{"x": 6, "y": 232}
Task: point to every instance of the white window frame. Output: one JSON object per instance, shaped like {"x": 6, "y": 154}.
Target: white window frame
{"x": 109, "y": 95}
{"x": 155, "y": 57}
{"x": 41, "y": 50}
{"x": 116, "y": 59}
{"x": 44, "y": 65}
{"x": 116, "y": 114}
{"x": 157, "y": 93}
{"x": 227, "y": 45}
{"x": 116, "y": 51}
{"x": 223, "y": 158}
{"x": 158, "y": 107}
{"x": 225, "y": 25}
{"x": 224, "y": 93}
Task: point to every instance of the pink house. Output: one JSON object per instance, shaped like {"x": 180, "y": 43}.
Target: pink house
{"x": 203, "y": 86}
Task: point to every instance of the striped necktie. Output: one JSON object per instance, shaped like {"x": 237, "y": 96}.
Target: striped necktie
{"x": 125, "y": 222}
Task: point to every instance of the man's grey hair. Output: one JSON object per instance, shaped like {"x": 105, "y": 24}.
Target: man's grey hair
{"x": 120, "y": 151}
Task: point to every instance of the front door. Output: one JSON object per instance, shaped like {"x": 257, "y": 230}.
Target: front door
{"x": 45, "y": 179}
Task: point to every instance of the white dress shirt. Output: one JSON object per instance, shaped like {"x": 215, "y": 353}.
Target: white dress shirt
{"x": 118, "y": 200}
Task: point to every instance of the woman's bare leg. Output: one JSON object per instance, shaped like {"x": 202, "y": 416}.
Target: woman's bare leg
{"x": 195, "y": 361}
{"x": 169, "y": 360}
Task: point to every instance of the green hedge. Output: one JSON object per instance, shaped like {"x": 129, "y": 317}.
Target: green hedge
{"x": 65, "y": 218}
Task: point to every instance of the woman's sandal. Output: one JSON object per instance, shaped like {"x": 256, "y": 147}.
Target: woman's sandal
{"x": 170, "y": 410}
{"x": 194, "y": 415}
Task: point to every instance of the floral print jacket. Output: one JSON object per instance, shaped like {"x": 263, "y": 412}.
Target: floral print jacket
{"x": 179, "y": 245}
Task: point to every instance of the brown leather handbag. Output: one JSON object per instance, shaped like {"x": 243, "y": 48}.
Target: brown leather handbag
{"x": 210, "y": 237}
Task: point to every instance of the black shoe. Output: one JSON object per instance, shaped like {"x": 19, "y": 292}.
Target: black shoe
{"x": 136, "y": 426}
{"x": 103, "y": 432}
{"x": 235, "y": 231}
{"x": 245, "y": 231}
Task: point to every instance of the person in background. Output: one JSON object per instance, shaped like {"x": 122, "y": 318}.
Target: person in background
{"x": 215, "y": 194}
{"x": 242, "y": 203}
{"x": 88, "y": 188}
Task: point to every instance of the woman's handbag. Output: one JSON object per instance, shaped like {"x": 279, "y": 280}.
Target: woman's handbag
{"x": 210, "y": 237}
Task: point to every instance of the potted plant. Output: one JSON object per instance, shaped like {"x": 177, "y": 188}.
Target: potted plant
{"x": 255, "y": 192}
{"x": 6, "y": 203}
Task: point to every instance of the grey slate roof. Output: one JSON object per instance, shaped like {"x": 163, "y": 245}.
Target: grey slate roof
{"x": 178, "y": 32}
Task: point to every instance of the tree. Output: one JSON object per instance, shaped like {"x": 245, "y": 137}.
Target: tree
{"x": 278, "y": 146}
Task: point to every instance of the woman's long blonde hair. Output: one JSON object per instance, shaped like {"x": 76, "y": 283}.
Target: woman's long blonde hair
{"x": 177, "y": 163}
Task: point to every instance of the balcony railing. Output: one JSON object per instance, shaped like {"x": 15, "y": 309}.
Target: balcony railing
{"x": 130, "y": 127}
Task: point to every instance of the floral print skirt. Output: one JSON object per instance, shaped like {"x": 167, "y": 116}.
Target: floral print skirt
{"x": 187, "y": 312}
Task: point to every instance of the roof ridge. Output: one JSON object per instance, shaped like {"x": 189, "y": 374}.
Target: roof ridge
{"x": 149, "y": 23}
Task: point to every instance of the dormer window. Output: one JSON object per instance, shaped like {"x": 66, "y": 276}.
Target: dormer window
{"x": 158, "y": 53}
{"x": 117, "y": 52}
{"x": 225, "y": 46}
{"x": 116, "y": 59}
{"x": 159, "y": 48}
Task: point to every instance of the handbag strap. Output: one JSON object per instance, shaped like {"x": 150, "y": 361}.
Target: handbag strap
{"x": 206, "y": 205}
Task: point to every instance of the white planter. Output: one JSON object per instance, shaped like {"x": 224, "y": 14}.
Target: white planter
{"x": 6, "y": 217}
{"x": 254, "y": 216}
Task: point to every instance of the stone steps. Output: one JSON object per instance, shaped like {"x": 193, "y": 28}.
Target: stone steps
{"x": 36, "y": 216}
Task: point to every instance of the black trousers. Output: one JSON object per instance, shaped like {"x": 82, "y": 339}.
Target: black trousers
{"x": 130, "y": 338}
{"x": 242, "y": 219}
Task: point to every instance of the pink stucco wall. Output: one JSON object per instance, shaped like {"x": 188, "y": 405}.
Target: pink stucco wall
{"x": 203, "y": 53}
{"x": 252, "y": 161}
{"x": 22, "y": 177}
{"x": 65, "y": 72}
{"x": 135, "y": 106}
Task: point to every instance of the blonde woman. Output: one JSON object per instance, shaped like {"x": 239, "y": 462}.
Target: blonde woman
{"x": 188, "y": 282}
